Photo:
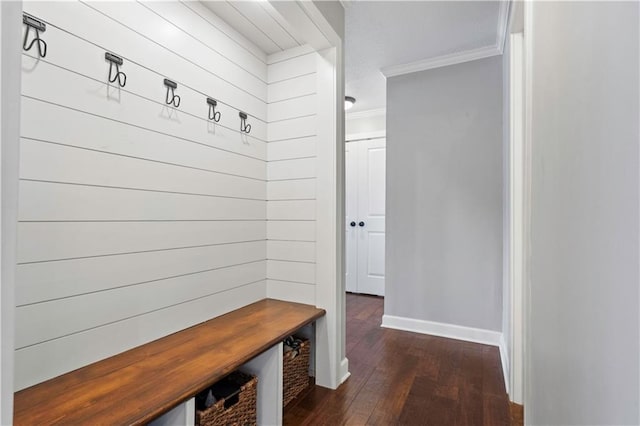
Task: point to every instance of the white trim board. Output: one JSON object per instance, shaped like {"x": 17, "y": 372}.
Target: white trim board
{"x": 519, "y": 179}
{"x": 365, "y": 135}
{"x": 442, "y": 61}
{"x": 344, "y": 370}
{"x": 451, "y": 331}
{"x": 365, "y": 114}
{"x": 504, "y": 360}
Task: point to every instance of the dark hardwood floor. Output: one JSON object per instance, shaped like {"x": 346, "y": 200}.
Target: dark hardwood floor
{"x": 401, "y": 378}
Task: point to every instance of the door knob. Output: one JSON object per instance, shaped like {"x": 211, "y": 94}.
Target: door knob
{"x": 361, "y": 224}
{"x": 352, "y": 224}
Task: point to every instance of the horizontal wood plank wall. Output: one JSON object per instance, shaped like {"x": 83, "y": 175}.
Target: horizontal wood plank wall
{"x": 136, "y": 219}
{"x": 291, "y": 174}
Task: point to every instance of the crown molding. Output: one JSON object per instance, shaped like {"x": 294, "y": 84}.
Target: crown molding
{"x": 502, "y": 29}
{"x": 366, "y": 114}
{"x": 503, "y": 24}
{"x": 442, "y": 61}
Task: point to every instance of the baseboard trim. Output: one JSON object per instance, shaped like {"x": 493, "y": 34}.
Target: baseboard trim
{"x": 344, "y": 371}
{"x": 504, "y": 359}
{"x": 451, "y": 331}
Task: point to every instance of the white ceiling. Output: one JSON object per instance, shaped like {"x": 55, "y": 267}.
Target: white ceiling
{"x": 384, "y": 33}
{"x": 258, "y": 22}
{"x": 378, "y": 34}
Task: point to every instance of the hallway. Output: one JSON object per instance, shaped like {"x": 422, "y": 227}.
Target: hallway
{"x": 400, "y": 378}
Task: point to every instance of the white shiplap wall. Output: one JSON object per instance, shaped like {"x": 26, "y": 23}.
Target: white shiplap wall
{"x": 291, "y": 175}
{"x": 137, "y": 220}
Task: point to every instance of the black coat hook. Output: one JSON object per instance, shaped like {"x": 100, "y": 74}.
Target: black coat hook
{"x": 244, "y": 127}
{"x": 175, "y": 99}
{"x": 213, "y": 114}
{"x": 120, "y": 76}
{"x": 37, "y": 26}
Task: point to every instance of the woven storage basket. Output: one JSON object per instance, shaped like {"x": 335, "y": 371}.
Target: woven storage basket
{"x": 295, "y": 371}
{"x": 237, "y": 413}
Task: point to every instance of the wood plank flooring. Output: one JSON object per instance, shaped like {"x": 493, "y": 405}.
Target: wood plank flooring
{"x": 400, "y": 378}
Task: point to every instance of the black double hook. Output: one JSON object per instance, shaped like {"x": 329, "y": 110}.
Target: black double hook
{"x": 213, "y": 114}
{"x": 175, "y": 99}
{"x": 244, "y": 127}
{"x": 37, "y": 26}
{"x": 120, "y": 76}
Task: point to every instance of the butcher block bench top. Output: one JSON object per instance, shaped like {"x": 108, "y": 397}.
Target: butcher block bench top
{"x": 143, "y": 383}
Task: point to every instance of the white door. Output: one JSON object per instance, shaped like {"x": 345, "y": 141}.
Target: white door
{"x": 351, "y": 210}
{"x": 365, "y": 208}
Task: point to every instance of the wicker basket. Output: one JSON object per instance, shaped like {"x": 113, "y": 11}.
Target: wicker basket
{"x": 295, "y": 371}
{"x": 237, "y": 409}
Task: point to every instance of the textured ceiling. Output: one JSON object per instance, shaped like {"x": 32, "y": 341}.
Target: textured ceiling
{"x": 385, "y": 33}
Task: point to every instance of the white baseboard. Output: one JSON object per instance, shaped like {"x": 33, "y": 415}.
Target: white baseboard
{"x": 344, "y": 371}
{"x": 458, "y": 332}
{"x": 451, "y": 331}
{"x": 504, "y": 358}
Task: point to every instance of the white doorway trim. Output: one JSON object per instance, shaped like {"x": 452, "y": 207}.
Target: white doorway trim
{"x": 517, "y": 178}
{"x": 527, "y": 203}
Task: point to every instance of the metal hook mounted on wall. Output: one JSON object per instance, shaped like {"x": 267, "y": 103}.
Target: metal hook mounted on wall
{"x": 175, "y": 99}
{"x": 244, "y": 127}
{"x": 37, "y": 26}
{"x": 120, "y": 76}
{"x": 213, "y": 114}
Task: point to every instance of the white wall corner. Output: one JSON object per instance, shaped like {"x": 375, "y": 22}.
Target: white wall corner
{"x": 503, "y": 24}
{"x": 451, "y": 331}
{"x": 345, "y": 3}
{"x": 10, "y": 87}
{"x": 442, "y": 61}
{"x": 504, "y": 360}
{"x": 330, "y": 291}
{"x": 344, "y": 371}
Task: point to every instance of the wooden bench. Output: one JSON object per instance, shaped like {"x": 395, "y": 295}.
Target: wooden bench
{"x": 139, "y": 385}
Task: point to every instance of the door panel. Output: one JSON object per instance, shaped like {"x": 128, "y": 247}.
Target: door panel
{"x": 371, "y": 216}
{"x": 375, "y": 179}
{"x": 351, "y": 210}
{"x": 375, "y": 257}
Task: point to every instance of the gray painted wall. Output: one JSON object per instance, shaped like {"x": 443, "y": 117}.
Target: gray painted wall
{"x": 444, "y": 195}
{"x": 583, "y": 355}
